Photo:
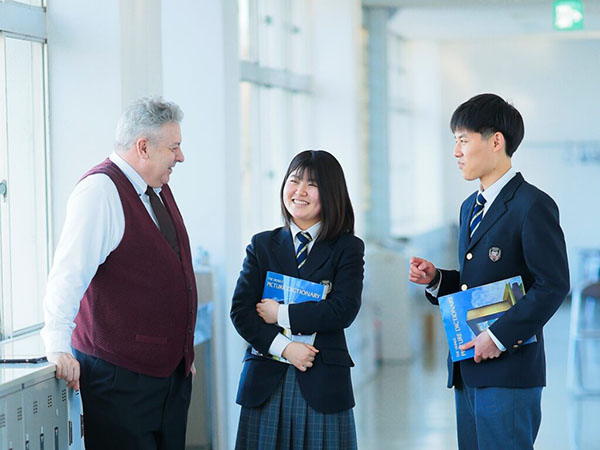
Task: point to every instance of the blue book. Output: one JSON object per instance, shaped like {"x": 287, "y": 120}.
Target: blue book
{"x": 288, "y": 290}
{"x": 467, "y": 313}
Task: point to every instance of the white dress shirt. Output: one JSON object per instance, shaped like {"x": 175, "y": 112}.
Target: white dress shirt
{"x": 490, "y": 195}
{"x": 94, "y": 226}
{"x": 283, "y": 318}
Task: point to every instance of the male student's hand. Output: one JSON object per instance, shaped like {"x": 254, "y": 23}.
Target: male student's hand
{"x": 267, "y": 310}
{"x": 485, "y": 348}
{"x": 421, "y": 271}
{"x": 67, "y": 368}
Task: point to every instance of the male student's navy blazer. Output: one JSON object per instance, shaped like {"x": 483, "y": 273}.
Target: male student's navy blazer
{"x": 519, "y": 235}
{"x": 326, "y": 386}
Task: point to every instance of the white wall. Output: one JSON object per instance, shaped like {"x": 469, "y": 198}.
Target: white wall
{"x": 201, "y": 74}
{"x": 84, "y": 77}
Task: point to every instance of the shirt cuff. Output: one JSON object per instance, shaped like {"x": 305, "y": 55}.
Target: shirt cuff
{"x": 56, "y": 341}
{"x": 278, "y": 345}
{"x": 501, "y": 347}
{"x": 283, "y": 316}
{"x": 434, "y": 291}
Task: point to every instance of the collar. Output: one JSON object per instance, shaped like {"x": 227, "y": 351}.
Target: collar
{"x": 313, "y": 231}
{"x": 135, "y": 178}
{"x": 492, "y": 191}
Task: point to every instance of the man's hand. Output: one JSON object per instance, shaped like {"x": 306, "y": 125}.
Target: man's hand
{"x": 485, "y": 348}
{"x": 67, "y": 368}
{"x": 421, "y": 271}
{"x": 267, "y": 310}
{"x": 300, "y": 355}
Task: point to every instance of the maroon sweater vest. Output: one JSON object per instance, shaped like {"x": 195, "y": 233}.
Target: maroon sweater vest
{"x": 139, "y": 311}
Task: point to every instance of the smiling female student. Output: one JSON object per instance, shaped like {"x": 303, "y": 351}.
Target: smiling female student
{"x": 306, "y": 404}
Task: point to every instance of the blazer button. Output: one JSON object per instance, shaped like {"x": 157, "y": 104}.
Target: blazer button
{"x": 469, "y": 256}
{"x": 464, "y": 287}
{"x": 515, "y": 346}
{"x": 520, "y": 341}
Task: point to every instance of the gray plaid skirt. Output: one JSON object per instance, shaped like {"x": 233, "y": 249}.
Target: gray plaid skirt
{"x": 286, "y": 422}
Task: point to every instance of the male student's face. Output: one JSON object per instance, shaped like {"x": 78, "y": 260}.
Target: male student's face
{"x": 474, "y": 154}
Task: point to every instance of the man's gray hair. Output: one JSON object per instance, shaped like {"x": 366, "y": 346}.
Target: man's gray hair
{"x": 144, "y": 118}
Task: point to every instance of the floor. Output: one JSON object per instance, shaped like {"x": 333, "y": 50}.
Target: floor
{"x": 407, "y": 406}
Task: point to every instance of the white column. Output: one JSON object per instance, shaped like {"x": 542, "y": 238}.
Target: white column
{"x": 201, "y": 73}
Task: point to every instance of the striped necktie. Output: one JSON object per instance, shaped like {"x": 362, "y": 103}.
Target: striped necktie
{"x": 477, "y": 213}
{"x": 302, "y": 252}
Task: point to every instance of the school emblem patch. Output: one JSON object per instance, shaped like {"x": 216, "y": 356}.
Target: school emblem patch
{"x": 495, "y": 254}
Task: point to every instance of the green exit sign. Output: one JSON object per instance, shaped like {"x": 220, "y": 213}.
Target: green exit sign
{"x": 568, "y": 15}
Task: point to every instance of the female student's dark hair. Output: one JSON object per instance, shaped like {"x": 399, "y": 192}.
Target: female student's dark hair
{"x": 337, "y": 215}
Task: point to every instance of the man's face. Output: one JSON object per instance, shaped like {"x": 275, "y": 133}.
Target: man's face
{"x": 474, "y": 154}
{"x": 163, "y": 152}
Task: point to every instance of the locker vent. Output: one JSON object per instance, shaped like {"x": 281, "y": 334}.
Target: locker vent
{"x": 35, "y": 407}
{"x": 20, "y": 413}
{"x": 2, "y": 420}
{"x": 50, "y": 401}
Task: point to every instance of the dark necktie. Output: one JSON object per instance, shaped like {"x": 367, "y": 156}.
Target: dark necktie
{"x": 477, "y": 213}
{"x": 165, "y": 223}
{"x": 304, "y": 237}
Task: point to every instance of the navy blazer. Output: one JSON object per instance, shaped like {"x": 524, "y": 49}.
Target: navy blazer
{"x": 326, "y": 386}
{"x": 522, "y": 229}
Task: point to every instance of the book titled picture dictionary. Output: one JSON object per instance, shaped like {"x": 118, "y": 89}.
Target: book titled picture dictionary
{"x": 467, "y": 313}
{"x": 288, "y": 290}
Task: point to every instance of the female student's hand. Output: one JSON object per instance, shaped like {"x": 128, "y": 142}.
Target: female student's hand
{"x": 267, "y": 310}
{"x": 300, "y": 355}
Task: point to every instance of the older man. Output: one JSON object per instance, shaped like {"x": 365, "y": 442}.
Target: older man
{"x": 121, "y": 302}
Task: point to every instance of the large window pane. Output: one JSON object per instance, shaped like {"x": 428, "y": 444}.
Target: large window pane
{"x": 248, "y": 30}
{"x": 24, "y": 213}
{"x": 275, "y": 108}
{"x": 272, "y": 27}
{"x": 299, "y": 38}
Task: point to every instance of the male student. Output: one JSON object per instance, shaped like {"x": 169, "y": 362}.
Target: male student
{"x": 507, "y": 228}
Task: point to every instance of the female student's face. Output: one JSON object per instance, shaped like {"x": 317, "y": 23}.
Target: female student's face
{"x": 301, "y": 199}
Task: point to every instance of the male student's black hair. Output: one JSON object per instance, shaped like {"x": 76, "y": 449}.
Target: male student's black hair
{"x": 488, "y": 114}
{"x": 337, "y": 215}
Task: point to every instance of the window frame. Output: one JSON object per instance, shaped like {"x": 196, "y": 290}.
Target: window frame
{"x": 24, "y": 22}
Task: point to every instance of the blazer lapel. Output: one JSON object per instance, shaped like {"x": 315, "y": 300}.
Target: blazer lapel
{"x": 497, "y": 210}
{"x": 320, "y": 252}
{"x": 282, "y": 248}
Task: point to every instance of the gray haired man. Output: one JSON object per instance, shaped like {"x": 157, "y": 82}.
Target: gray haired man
{"x": 120, "y": 305}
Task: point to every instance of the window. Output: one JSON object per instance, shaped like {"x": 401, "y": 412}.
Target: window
{"x": 275, "y": 102}
{"x": 24, "y": 242}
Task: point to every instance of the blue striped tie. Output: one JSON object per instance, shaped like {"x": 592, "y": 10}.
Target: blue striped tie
{"x": 477, "y": 213}
{"x": 302, "y": 252}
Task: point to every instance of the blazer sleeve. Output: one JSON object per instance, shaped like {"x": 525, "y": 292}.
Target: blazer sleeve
{"x": 448, "y": 285}
{"x": 247, "y": 293}
{"x": 545, "y": 257}
{"x": 340, "y": 308}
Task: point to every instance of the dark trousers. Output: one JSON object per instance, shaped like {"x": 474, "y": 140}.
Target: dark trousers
{"x": 127, "y": 410}
{"x": 495, "y": 418}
